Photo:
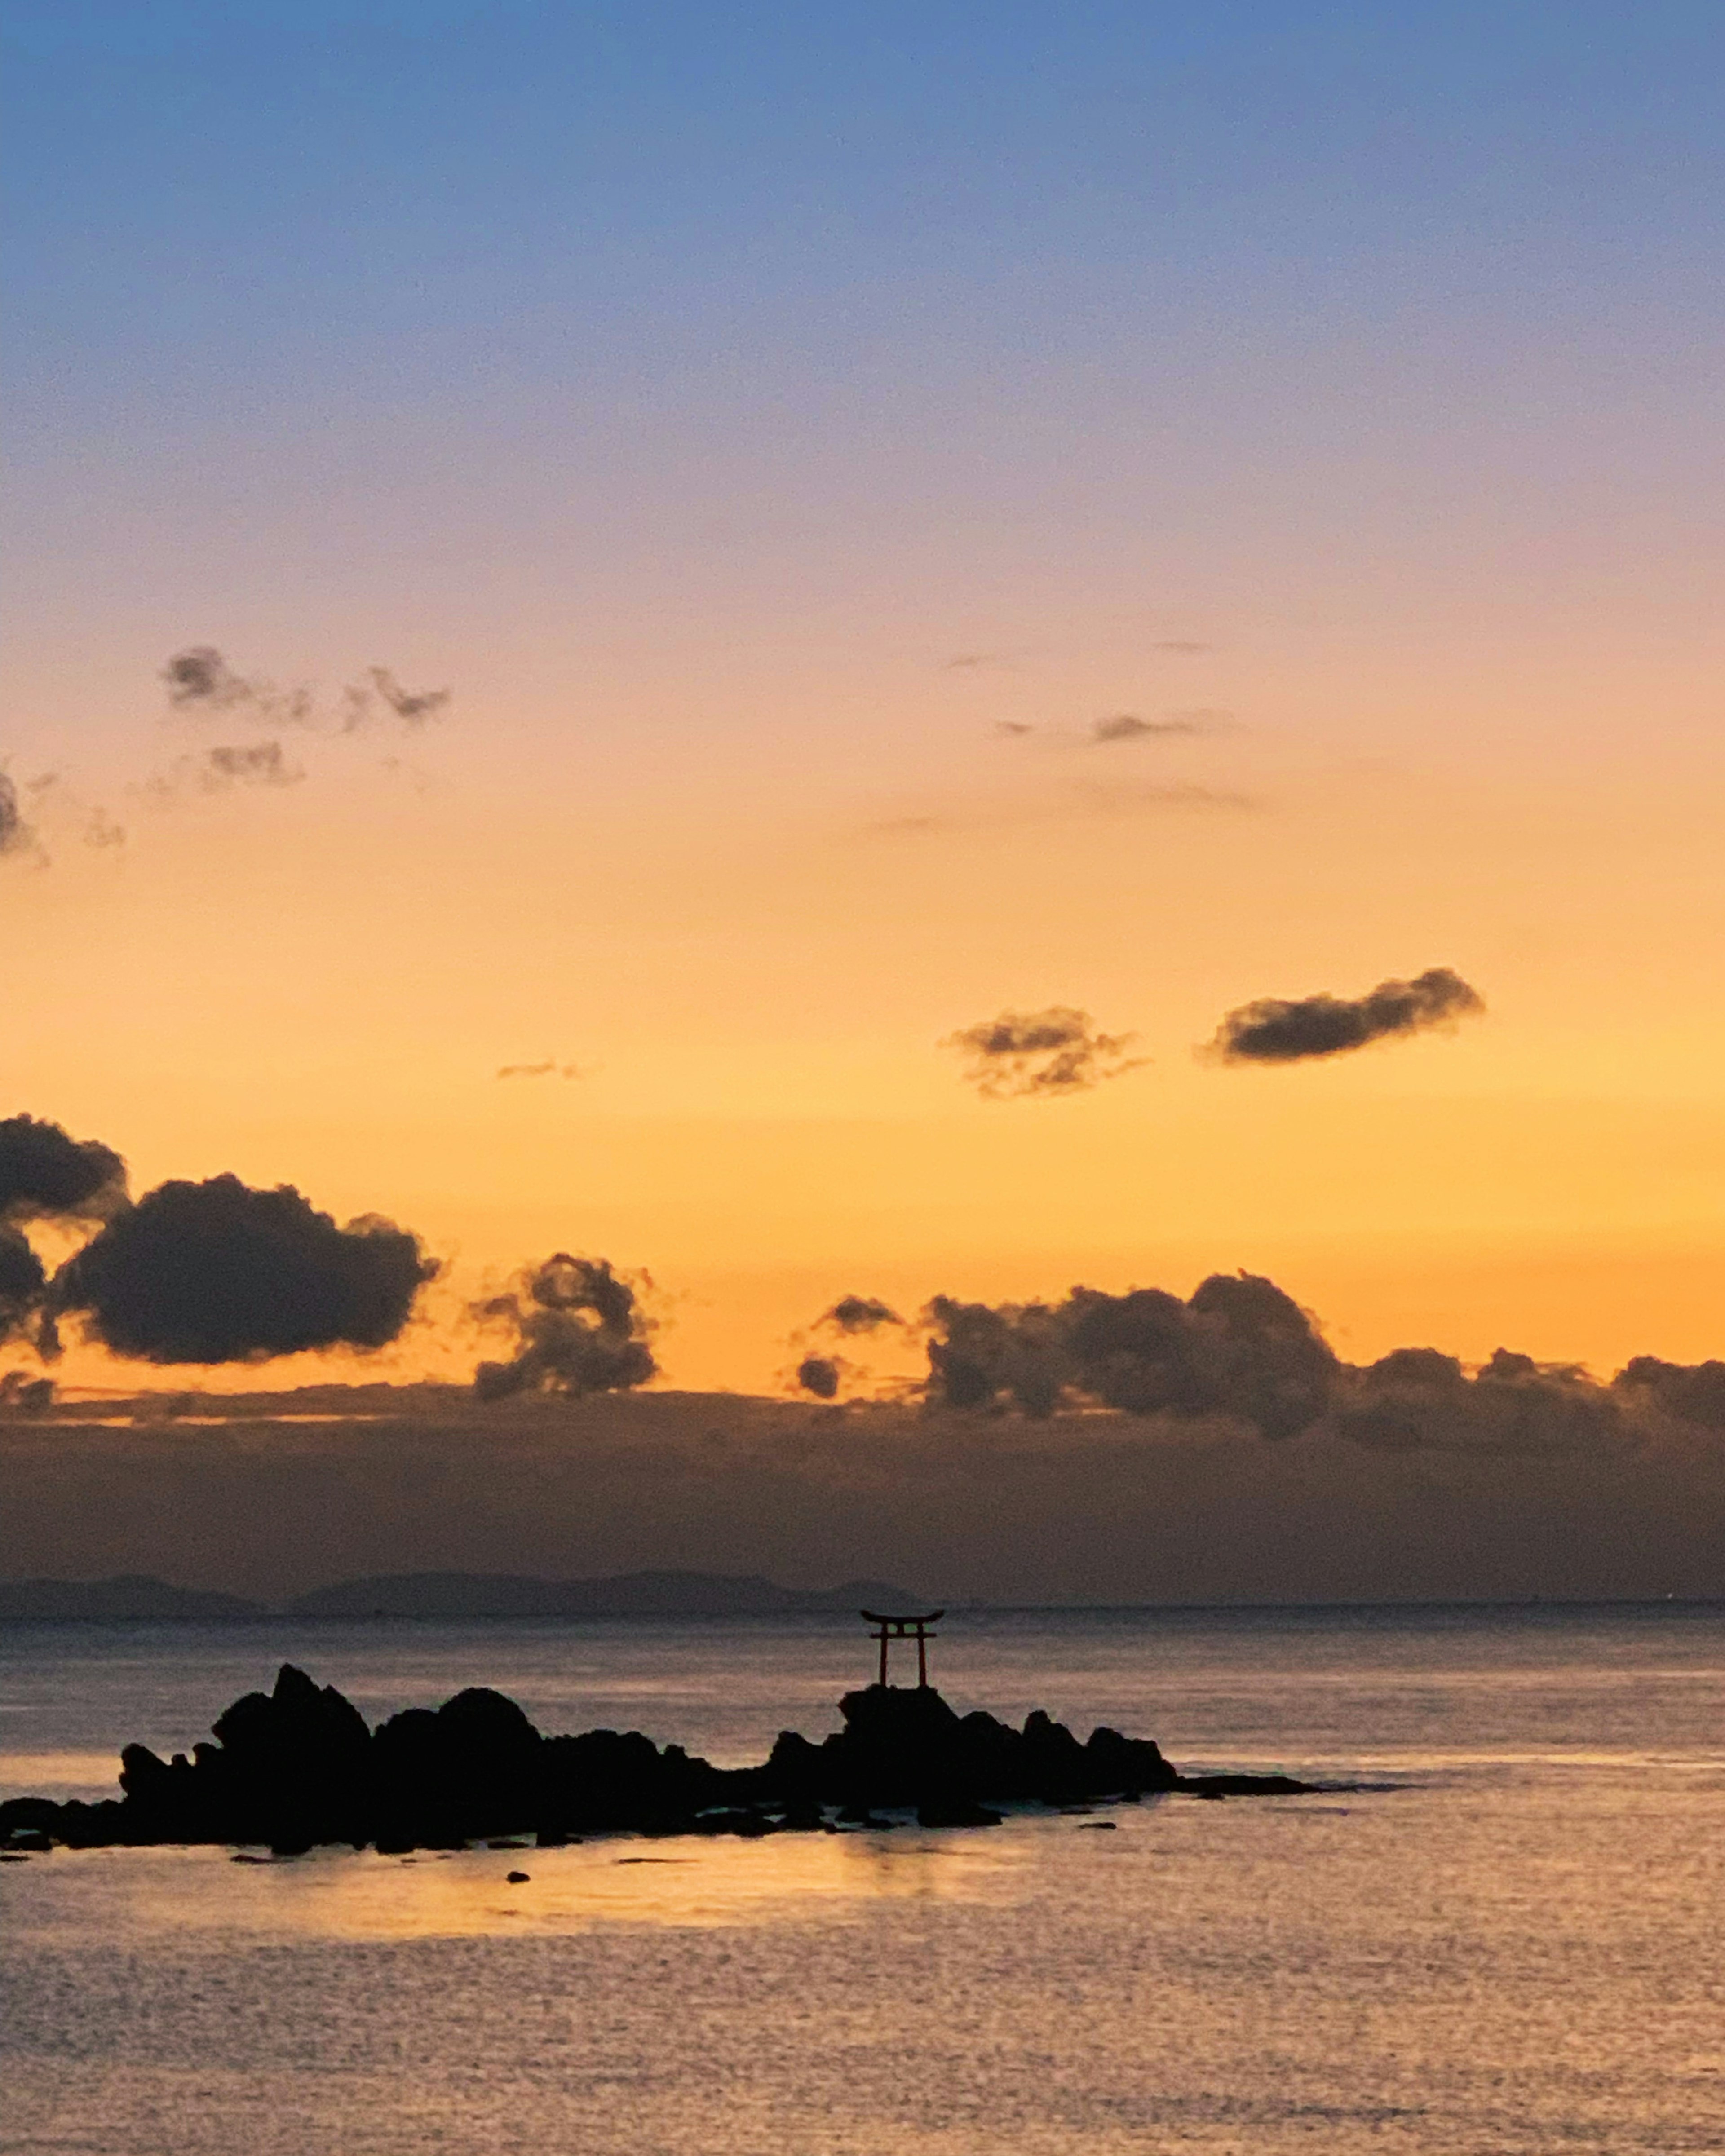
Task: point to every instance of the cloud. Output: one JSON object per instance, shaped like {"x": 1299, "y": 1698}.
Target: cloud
{"x": 1242, "y": 1350}
{"x": 1272, "y": 1030}
{"x": 855, "y": 1314}
{"x": 219, "y": 1272}
{"x": 200, "y": 680}
{"x": 259, "y": 764}
{"x": 1180, "y": 644}
{"x": 413, "y": 707}
{"x": 23, "y": 1393}
{"x": 1074, "y": 803}
{"x": 1035, "y": 1055}
{"x": 23, "y": 1282}
{"x": 1239, "y": 1348}
{"x": 1416, "y": 1398}
{"x": 1127, "y": 726}
{"x": 200, "y": 675}
{"x": 101, "y": 830}
{"x": 549, "y": 1069}
{"x": 1688, "y": 1393}
{"x": 17, "y": 836}
{"x": 578, "y": 1327}
{"x": 821, "y": 1375}
{"x": 47, "y": 1175}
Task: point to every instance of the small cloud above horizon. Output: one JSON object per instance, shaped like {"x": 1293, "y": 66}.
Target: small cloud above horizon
{"x": 1275, "y": 1030}
{"x": 1023, "y": 1056}
{"x": 1128, "y": 725}
{"x": 1078, "y": 800}
{"x": 550, "y": 1068}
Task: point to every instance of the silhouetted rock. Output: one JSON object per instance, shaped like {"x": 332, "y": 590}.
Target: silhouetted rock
{"x": 297, "y": 1766}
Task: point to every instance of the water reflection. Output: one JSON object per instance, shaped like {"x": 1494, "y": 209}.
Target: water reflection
{"x": 349, "y": 1895}
{"x": 60, "y": 1774}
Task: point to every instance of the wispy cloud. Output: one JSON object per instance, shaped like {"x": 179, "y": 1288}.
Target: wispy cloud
{"x": 1073, "y": 802}
{"x": 550, "y": 1068}
{"x": 1025, "y": 1056}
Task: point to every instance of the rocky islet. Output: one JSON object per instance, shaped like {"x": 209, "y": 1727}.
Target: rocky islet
{"x": 298, "y": 1767}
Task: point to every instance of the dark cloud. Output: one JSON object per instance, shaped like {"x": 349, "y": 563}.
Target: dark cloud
{"x": 1416, "y": 1398}
{"x": 101, "y": 830}
{"x": 1014, "y": 728}
{"x": 1181, "y": 643}
{"x": 200, "y": 675}
{"x": 47, "y": 1175}
{"x": 219, "y": 1272}
{"x": 413, "y": 707}
{"x": 22, "y": 1284}
{"x": 257, "y": 763}
{"x": 17, "y": 836}
{"x": 578, "y": 1327}
{"x": 1692, "y": 1393}
{"x": 856, "y": 1314}
{"x": 549, "y": 1069}
{"x": 1242, "y": 1351}
{"x": 1272, "y": 1030}
{"x": 199, "y": 678}
{"x": 821, "y": 1375}
{"x": 1035, "y": 1055}
{"x": 1127, "y": 726}
{"x": 1239, "y": 1348}
{"x": 22, "y": 1393}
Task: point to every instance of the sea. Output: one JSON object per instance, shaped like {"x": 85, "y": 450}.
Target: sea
{"x": 1499, "y": 1927}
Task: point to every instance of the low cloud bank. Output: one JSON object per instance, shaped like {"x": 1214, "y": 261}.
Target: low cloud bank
{"x": 1276, "y": 1030}
{"x": 1241, "y": 1350}
{"x": 1087, "y": 1507}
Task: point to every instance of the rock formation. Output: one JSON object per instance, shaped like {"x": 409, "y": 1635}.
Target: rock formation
{"x": 297, "y": 1766}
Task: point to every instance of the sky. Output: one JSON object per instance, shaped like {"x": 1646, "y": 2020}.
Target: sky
{"x": 797, "y": 440}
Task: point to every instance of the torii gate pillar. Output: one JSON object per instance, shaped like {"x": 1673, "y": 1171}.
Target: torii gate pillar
{"x": 905, "y": 1628}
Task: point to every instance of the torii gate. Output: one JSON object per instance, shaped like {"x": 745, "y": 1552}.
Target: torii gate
{"x": 905, "y": 1628}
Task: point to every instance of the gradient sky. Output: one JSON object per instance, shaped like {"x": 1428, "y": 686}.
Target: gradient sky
{"x": 688, "y": 388}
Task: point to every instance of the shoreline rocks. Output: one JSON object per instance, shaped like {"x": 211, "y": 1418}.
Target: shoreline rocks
{"x": 297, "y": 1768}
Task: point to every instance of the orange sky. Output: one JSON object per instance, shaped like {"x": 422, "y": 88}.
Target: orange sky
{"x": 1374, "y": 424}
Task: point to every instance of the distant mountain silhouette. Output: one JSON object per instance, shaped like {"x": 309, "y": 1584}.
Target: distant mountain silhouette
{"x": 628, "y": 1594}
{"x": 455, "y": 1594}
{"x": 130, "y": 1594}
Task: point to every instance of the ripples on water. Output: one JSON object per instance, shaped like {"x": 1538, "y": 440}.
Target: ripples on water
{"x": 1513, "y": 1945}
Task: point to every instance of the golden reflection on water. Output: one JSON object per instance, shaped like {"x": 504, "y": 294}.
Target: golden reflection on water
{"x": 349, "y": 1895}
{"x": 34, "y": 1773}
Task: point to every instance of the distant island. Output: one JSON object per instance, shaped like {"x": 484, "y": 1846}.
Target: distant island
{"x": 299, "y": 1768}
{"x": 453, "y": 1594}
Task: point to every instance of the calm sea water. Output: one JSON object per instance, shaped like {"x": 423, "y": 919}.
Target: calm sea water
{"x": 1511, "y": 1941}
